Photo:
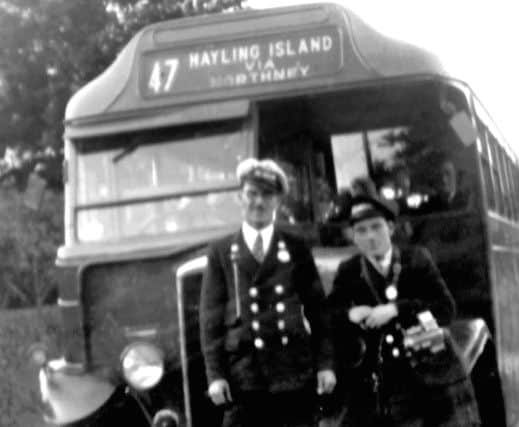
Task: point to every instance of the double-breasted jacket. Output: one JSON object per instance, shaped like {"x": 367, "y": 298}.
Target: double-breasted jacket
{"x": 262, "y": 324}
{"x": 419, "y": 287}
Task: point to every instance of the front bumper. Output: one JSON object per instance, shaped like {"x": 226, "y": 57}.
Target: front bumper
{"x": 69, "y": 394}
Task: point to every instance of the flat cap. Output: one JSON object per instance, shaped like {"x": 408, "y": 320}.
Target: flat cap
{"x": 266, "y": 173}
{"x": 364, "y": 207}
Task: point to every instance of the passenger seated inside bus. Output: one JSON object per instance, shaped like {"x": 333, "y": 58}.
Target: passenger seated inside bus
{"x": 325, "y": 200}
{"x": 449, "y": 193}
{"x": 329, "y": 144}
{"x": 363, "y": 185}
{"x": 403, "y": 193}
{"x": 448, "y": 189}
{"x": 292, "y": 209}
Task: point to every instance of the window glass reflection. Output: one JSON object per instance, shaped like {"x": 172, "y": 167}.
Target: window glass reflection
{"x": 183, "y": 214}
{"x": 168, "y": 167}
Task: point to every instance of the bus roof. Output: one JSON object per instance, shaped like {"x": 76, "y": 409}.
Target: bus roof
{"x": 237, "y": 56}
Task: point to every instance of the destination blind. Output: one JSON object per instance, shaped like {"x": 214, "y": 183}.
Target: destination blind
{"x": 240, "y": 63}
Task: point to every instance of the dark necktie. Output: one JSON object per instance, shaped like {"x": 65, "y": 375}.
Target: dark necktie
{"x": 257, "y": 249}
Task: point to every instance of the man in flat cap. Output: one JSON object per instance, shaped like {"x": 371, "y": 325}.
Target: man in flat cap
{"x": 264, "y": 334}
{"x": 377, "y": 295}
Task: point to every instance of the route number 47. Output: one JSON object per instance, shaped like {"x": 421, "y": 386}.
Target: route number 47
{"x": 163, "y": 75}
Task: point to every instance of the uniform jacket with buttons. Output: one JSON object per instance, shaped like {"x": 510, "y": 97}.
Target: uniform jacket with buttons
{"x": 269, "y": 346}
{"x": 420, "y": 287}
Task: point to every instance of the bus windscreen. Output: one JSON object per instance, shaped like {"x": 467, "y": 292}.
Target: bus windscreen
{"x": 144, "y": 186}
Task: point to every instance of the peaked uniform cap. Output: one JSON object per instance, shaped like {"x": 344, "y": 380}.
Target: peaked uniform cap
{"x": 364, "y": 207}
{"x": 266, "y": 173}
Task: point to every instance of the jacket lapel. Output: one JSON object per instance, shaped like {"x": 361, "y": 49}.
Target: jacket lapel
{"x": 374, "y": 281}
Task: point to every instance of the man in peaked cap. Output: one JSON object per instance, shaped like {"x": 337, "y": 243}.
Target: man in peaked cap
{"x": 365, "y": 206}
{"x": 264, "y": 365}
{"x": 376, "y": 294}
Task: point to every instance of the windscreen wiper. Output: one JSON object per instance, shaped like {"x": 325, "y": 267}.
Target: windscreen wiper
{"x": 126, "y": 151}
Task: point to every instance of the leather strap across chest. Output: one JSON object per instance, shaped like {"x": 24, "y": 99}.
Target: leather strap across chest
{"x": 391, "y": 288}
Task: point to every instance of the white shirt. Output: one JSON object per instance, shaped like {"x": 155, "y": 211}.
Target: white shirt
{"x": 250, "y": 233}
{"x": 383, "y": 264}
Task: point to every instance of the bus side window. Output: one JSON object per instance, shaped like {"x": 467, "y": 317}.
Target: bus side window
{"x": 515, "y": 174}
{"x": 514, "y": 188}
{"x": 505, "y": 179}
{"x": 498, "y": 184}
{"x": 486, "y": 164}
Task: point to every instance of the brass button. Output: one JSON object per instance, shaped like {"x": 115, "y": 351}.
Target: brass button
{"x": 281, "y": 324}
{"x": 284, "y": 340}
{"x": 391, "y": 292}
{"x": 259, "y": 343}
{"x": 254, "y": 307}
{"x": 279, "y": 289}
{"x": 253, "y": 292}
{"x": 255, "y": 325}
{"x": 280, "y": 307}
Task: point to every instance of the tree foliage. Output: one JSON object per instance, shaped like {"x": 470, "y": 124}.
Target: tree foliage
{"x": 28, "y": 242}
{"x": 48, "y": 50}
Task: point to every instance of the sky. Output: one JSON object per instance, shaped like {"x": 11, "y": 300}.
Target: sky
{"x": 476, "y": 40}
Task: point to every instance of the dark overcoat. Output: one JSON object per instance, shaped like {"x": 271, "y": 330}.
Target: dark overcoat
{"x": 405, "y": 392}
{"x": 439, "y": 202}
{"x": 268, "y": 345}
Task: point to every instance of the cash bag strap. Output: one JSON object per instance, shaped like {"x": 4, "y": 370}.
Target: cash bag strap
{"x": 391, "y": 293}
{"x": 234, "y": 255}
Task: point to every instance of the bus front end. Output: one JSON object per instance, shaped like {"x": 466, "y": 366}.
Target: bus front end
{"x": 151, "y": 150}
{"x": 138, "y": 217}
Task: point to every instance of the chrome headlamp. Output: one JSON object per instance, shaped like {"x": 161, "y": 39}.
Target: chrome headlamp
{"x": 142, "y": 365}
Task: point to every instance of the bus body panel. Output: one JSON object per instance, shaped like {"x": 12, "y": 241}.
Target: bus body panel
{"x": 163, "y": 118}
{"x": 504, "y": 238}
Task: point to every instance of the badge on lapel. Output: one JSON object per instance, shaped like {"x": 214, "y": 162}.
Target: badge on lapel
{"x": 391, "y": 292}
{"x": 235, "y": 252}
{"x": 283, "y": 255}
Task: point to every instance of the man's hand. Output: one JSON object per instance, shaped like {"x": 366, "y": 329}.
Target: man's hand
{"x": 359, "y": 313}
{"x": 380, "y": 315}
{"x": 220, "y": 392}
{"x": 326, "y": 381}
